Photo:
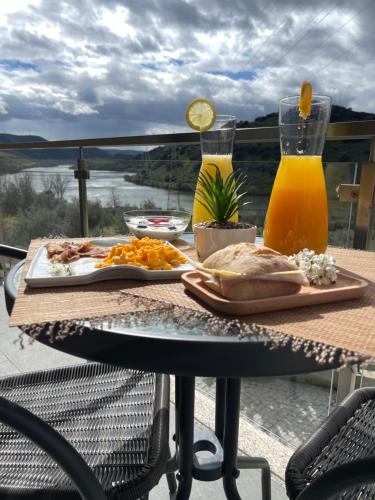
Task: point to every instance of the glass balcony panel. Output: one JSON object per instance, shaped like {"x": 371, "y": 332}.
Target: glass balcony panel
{"x": 42, "y": 199}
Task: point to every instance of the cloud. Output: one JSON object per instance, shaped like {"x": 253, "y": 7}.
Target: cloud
{"x": 124, "y": 67}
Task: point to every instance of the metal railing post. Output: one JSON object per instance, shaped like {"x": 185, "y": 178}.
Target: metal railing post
{"x": 82, "y": 174}
{"x": 366, "y": 202}
{"x": 172, "y": 163}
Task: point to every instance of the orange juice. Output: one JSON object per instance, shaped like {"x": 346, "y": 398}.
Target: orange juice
{"x": 297, "y": 215}
{"x": 224, "y": 163}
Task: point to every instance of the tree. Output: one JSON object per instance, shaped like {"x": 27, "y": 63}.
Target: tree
{"x": 56, "y": 184}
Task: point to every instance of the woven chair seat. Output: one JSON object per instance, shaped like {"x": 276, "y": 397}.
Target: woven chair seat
{"x": 117, "y": 419}
{"x": 347, "y": 434}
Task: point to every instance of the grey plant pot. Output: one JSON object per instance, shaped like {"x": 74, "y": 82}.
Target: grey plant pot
{"x": 208, "y": 240}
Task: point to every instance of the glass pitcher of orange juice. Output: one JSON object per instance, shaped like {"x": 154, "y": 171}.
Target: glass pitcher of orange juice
{"x": 297, "y": 215}
{"x": 217, "y": 149}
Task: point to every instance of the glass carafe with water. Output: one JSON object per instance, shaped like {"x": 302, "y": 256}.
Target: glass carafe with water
{"x": 297, "y": 215}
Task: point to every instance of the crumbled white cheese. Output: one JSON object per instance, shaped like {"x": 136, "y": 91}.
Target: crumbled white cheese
{"x": 318, "y": 268}
{"x": 61, "y": 270}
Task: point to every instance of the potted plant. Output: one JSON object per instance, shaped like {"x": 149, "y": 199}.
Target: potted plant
{"x": 222, "y": 199}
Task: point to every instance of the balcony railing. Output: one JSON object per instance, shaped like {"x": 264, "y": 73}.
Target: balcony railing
{"x": 362, "y": 194}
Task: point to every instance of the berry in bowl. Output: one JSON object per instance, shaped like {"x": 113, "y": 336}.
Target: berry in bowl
{"x": 160, "y": 224}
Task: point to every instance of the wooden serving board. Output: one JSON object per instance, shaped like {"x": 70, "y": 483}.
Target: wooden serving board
{"x": 348, "y": 286}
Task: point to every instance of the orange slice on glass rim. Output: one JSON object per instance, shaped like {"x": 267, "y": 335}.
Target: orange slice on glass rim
{"x": 305, "y": 98}
{"x": 200, "y": 114}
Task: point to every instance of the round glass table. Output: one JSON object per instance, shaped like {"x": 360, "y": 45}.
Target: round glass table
{"x": 163, "y": 346}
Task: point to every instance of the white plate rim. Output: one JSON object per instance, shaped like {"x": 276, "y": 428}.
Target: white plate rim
{"x": 108, "y": 273}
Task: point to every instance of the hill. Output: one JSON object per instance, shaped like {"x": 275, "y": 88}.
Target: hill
{"x": 59, "y": 153}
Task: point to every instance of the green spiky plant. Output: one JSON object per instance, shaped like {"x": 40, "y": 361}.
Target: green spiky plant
{"x": 221, "y": 197}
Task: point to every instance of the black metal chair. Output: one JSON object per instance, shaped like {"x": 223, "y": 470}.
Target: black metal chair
{"x": 43, "y": 436}
{"x": 12, "y": 253}
{"x": 116, "y": 419}
{"x": 338, "y": 461}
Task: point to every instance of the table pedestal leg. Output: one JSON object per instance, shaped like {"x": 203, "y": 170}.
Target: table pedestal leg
{"x": 185, "y": 437}
{"x": 177, "y": 406}
{"x": 222, "y": 444}
{"x": 230, "y": 443}
{"x": 221, "y": 387}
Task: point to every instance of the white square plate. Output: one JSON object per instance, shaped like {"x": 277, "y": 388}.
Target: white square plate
{"x": 39, "y": 274}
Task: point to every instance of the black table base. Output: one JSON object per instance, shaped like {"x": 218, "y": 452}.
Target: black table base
{"x": 157, "y": 350}
{"x": 222, "y": 444}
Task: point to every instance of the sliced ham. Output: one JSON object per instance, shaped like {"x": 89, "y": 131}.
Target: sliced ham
{"x": 69, "y": 251}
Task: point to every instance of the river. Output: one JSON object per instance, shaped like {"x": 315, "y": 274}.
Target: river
{"x": 107, "y": 186}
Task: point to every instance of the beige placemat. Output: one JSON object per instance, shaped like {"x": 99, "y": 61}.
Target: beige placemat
{"x": 348, "y": 325}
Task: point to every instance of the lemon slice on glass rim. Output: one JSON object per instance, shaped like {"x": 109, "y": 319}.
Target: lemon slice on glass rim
{"x": 200, "y": 114}
{"x": 305, "y": 98}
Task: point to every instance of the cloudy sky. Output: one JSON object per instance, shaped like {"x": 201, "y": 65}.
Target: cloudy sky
{"x": 100, "y": 68}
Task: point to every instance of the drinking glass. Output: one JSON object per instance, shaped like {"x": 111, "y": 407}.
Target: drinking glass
{"x": 217, "y": 149}
{"x": 297, "y": 215}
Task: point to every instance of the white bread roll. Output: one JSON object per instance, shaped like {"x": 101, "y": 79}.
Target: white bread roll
{"x": 245, "y": 271}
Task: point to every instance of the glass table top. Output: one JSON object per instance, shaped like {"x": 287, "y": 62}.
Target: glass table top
{"x": 160, "y": 323}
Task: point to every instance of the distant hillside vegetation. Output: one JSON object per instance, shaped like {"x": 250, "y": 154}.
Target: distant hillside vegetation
{"x": 14, "y": 160}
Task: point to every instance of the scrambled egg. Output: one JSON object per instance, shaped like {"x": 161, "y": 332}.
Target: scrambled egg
{"x": 147, "y": 253}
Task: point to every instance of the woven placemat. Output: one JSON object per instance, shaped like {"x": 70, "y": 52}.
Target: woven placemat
{"x": 348, "y": 325}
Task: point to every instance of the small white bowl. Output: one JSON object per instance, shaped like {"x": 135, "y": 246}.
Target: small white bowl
{"x": 160, "y": 224}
